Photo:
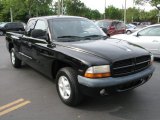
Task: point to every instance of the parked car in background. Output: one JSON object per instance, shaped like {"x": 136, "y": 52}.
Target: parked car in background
{"x": 10, "y": 26}
{"x": 113, "y": 26}
{"x": 136, "y": 23}
{"x": 130, "y": 28}
{"x": 148, "y": 37}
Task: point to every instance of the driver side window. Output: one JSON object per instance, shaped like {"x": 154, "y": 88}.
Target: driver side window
{"x": 155, "y": 31}
{"x": 40, "y": 30}
{"x": 40, "y": 25}
{"x": 147, "y": 32}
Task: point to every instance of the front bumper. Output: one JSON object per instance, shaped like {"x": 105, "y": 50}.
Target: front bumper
{"x": 117, "y": 82}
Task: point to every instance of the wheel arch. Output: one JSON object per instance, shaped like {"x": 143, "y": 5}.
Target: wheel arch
{"x": 10, "y": 46}
{"x": 58, "y": 64}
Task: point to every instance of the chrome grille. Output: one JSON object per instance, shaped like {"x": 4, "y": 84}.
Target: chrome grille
{"x": 130, "y": 66}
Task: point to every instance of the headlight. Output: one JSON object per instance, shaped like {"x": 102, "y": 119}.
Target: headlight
{"x": 152, "y": 58}
{"x": 98, "y": 72}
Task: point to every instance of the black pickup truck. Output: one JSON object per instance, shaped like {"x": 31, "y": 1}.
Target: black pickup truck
{"x": 76, "y": 53}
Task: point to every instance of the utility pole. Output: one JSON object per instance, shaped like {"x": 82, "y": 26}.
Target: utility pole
{"x": 59, "y": 7}
{"x": 11, "y": 12}
{"x": 132, "y": 11}
{"x": 104, "y": 9}
{"x": 125, "y": 11}
{"x": 62, "y": 7}
{"x": 158, "y": 7}
{"x": 158, "y": 16}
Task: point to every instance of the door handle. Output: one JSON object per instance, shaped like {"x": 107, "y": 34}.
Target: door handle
{"x": 155, "y": 41}
{"x": 25, "y": 42}
{"x": 29, "y": 44}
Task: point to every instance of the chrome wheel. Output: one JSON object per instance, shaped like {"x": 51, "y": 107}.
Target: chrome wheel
{"x": 64, "y": 87}
{"x": 13, "y": 59}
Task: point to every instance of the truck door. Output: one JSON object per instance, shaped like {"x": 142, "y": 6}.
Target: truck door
{"x": 26, "y": 46}
{"x": 41, "y": 54}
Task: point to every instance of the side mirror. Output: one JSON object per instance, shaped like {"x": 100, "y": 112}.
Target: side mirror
{"x": 138, "y": 35}
{"x": 41, "y": 34}
{"x": 104, "y": 30}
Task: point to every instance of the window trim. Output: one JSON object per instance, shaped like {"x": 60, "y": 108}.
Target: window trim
{"x": 27, "y": 31}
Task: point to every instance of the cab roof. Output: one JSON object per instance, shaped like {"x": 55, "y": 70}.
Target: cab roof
{"x": 55, "y": 16}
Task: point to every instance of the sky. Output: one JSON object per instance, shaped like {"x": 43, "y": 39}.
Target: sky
{"x": 99, "y": 4}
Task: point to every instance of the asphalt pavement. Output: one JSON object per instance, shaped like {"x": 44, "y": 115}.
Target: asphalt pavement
{"x": 38, "y": 99}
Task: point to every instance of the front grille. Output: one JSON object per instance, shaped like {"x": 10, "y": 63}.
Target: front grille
{"x": 130, "y": 66}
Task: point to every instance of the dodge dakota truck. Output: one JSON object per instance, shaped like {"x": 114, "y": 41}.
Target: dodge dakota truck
{"x": 79, "y": 56}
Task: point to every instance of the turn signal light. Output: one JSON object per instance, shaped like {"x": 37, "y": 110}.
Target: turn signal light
{"x": 97, "y": 75}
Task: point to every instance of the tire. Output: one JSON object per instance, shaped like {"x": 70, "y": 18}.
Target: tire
{"x": 67, "y": 86}
{"x": 1, "y": 33}
{"x": 14, "y": 60}
{"x": 128, "y": 32}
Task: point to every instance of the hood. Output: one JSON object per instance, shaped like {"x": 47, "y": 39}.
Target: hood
{"x": 110, "y": 49}
{"x": 130, "y": 38}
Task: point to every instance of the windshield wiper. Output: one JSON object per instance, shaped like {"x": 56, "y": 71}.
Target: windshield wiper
{"x": 100, "y": 36}
{"x": 78, "y": 38}
{"x": 69, "y": 36}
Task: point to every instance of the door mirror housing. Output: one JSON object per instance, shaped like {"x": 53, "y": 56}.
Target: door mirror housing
{"x": 138, "y": 35}
{"x": 41, "y": 34}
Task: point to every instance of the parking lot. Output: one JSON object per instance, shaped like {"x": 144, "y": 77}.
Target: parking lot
{"x": 27, "y": 95}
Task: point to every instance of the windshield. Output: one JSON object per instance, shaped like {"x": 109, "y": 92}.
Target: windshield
{"x": 130, "y": 26}
{"x": 74, "y": 29}
{"x": 103, "y": 24}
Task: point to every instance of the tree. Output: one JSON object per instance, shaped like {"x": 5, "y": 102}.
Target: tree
{"x": 23, "y": 8}
{"x": 132, "y": 14}
{"x": 152, "y": 2}
{"x": 113, "y": 13}
{"x": 77, "y": 8}
{"x": 95, "y": 14}
{"x": 152, "y": 16}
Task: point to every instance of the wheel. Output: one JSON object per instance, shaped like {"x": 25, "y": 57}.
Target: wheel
{"x": 128, "y": 32}
{"x": 1, "y": 33}
{"x": 14, "y": 60}
{"x": 67, "y": 86}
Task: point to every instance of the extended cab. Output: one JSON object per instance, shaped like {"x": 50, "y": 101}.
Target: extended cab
{"x": 79, "y": 56}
